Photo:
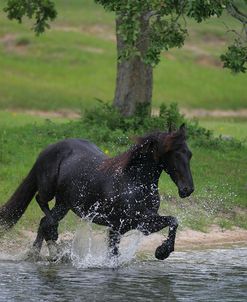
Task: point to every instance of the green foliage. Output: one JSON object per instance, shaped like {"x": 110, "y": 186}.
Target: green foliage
{"x": 201, "y": 10}
{"x": 167, "y": 28}
{"x": 113, "y": 128}
{"x": 235, "y": 58}
{"x": 165, "y": 23}
{"x": 170, "y": 116}
{"x": 109, "y": 117}
{"x": 163, "y": 36}
{"x": 42, "y": 11}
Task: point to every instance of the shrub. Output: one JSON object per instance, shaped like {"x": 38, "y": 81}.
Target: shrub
{"x": 106, "y": 124}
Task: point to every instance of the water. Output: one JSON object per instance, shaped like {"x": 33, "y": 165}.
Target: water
{"x": 209, "y": 275}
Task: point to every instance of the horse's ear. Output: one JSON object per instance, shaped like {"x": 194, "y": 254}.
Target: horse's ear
{"x": 175, "y": 139}
{"x": 182, "y": 131}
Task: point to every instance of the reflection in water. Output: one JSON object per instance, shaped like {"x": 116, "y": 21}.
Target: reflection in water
{"x": 210, "y": 275}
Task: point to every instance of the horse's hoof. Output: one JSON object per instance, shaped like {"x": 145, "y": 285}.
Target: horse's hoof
{"x": 162, "y": 252}
{"x": 32, "y": 255}
{"x": 54, "y": 251}
{"x": 53, "y": 259}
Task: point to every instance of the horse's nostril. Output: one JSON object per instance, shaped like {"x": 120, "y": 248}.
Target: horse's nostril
{"x": 189, "y": 190}
{"x": 186, "y": 191}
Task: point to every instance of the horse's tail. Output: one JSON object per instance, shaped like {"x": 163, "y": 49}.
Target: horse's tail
{"x": 14, "y": 208}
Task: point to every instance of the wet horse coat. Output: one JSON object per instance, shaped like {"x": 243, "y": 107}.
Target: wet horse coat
{"x": 120, "y": 193}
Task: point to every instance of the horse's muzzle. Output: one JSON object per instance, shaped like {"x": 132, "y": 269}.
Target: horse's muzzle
{"x": 185, "y": 192}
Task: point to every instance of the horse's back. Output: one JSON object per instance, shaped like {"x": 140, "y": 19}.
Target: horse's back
{"x": 81, "y": 152}
{"x": 77, "y": 148}
{"x": 64, "y": 162}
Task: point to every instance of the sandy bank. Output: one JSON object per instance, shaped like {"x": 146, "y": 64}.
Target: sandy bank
{"x": 186, "y": 240}
{"x": 190, "y": 239}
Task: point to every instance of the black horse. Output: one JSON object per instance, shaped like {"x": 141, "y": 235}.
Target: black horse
{"x": 120, "y": 192}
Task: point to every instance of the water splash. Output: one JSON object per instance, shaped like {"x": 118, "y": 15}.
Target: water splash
{"x": 89, "y": 248}
{"x": 203, "y": 208}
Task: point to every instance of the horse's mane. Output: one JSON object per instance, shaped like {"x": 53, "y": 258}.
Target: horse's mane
{"x": 122, "y": 161}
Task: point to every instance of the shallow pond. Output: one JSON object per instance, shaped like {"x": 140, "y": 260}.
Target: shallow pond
{"x": 209, "y": 275}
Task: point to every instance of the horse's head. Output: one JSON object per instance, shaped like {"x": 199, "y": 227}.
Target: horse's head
{"x": 176, "y": 157}
{"x": 168, "y": 151}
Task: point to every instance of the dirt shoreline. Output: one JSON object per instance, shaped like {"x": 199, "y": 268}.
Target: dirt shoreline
{"x": 186, "y": 240}
{"x": 187, "y": 112}
{"x": 194, "y": 240}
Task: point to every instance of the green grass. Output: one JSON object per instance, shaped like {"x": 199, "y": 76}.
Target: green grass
{"x": 15, "y": 119}
{"x": 56, "y": 77}
{"x": 219, "y": 175}
{"x": 75, "y": 62}
{"x": 227, "y": 127}
{"x": 193, "y": 85}
{"x": 220, "y": 187}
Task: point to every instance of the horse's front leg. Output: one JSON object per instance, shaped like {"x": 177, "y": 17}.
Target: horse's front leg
{"x": 113, "y": 242}
{"x": 156, "y": 223}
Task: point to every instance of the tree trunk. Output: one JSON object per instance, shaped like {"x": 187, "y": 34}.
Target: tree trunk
{"x": 134, "y": 81}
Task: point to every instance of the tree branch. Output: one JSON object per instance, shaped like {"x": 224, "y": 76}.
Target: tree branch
{"x": 150, "y": 15}
{"x": 236, "y": 13}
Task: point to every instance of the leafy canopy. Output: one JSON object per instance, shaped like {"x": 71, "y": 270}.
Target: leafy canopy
{"x": 42, "y": 11}
{"x": 166, "y": 23}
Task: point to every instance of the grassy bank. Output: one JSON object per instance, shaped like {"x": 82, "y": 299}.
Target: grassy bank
{"x": 229, "y": 127}
{"x": 74, "y": 63}
{"x": 219, "y": 172}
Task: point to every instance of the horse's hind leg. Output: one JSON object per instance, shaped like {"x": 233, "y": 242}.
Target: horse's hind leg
{"x": 113, "y": 242}
{"x": 156, "y": 223}
{"x": 48, "y": 228}
{"x": 43, "y": 205}
{"x": 37, "y": 245}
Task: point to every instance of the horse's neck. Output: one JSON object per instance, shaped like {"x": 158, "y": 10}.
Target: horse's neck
{"x": 144, "y": 171}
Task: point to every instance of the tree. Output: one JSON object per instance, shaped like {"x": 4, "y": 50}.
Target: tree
{"x": 145, "y": 28}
